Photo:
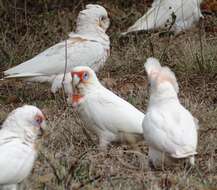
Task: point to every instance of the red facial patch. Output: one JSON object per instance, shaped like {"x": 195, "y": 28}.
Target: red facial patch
{"x": 83, "y": 76}
{"x": 79, "y": 74}
{"x": 39, "y": 118}
{"x": 76, "y": 98}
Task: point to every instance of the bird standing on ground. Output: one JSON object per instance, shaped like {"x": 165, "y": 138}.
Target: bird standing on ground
{"x": 18, "y": 151}
{"x": 104, "y": 113}
{"x": 177, "y": 14}
{"x": 169, "y": 129}
{"x": 89, "y": 45}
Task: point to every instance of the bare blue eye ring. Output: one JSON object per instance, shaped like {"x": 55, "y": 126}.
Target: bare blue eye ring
{"x": 85, "y": 76}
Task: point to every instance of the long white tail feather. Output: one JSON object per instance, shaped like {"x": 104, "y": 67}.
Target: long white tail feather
{"x": 23, "y": 75}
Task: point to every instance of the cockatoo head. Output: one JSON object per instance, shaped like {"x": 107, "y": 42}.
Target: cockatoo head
{"x": 84, "y": 80}
{"x": 152, "y": 67}
{"x": 94, "y": 15}
{"x": 161, "y": 78}
{"x": 28, "y": 119}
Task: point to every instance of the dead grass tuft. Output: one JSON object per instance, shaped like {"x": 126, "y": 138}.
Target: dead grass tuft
{"x": 67, "y": 158}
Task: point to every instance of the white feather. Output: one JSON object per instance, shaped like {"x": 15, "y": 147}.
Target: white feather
{"x": 186, "y": 12}
{"x": 106, "y": 114}
{"x": 51, "y": 61}
{"x": 89, "y": 46}
{"x": 152, "y": 65}
{"x": 62, "y": 80}
{"x": 17, "y": 138}
{"x": 168, "y": 127}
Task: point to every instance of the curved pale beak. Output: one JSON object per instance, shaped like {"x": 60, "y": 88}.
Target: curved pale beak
{"x": 42, "y": 128}
{"x": 75, "y": 80}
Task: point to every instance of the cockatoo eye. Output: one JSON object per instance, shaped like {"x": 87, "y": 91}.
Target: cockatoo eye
{"x": 103, "y": 18}
{"x": 39, "y": 123}
{"x": 149, "y": 84}
{"x": 85, "y": 76}
{"x": 39, "y": 119}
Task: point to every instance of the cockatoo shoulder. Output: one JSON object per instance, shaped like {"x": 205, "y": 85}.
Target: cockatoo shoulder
{"x": 172, "y": 130}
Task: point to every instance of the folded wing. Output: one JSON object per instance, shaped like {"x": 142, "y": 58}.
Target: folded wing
{"x": 172, "y": 131}
{"x": 16, "y": 158}
{"x": 165, "y": 13}
{"x": 52, "y": 60}
{"x": 116, "y": 114}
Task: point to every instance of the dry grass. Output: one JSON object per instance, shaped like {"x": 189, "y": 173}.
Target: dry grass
{"x": 68, "y": 159}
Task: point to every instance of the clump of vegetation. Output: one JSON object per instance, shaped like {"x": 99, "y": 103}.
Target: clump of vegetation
{"x": 69, "y": 159}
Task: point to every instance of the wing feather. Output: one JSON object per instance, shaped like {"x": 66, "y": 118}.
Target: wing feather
{"x": 118, "y": 115}
{"x": 171, "y": 130}
{"x": 52, "y": 60}
{"x": 162, "y": 11}
{"x": 15, "y": 159}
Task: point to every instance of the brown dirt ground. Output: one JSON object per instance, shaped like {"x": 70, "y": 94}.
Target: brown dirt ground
{"x": 67, "y": 156}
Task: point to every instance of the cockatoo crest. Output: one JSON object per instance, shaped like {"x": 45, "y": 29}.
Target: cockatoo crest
{"x": 18, "y": 145}
{"x": 159, "y": 75}
{"x": 89, "y": 45}
{"x": 169, "y": 128}
{"x": 93, "y": 14}
{"x": 152, "y": 66}
{"x": 166, "y": 75}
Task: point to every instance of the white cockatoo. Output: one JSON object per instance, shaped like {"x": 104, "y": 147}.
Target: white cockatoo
{"x": 169, "y": 129}
{"x": 178, "y": 14}
{"x": 104, "y": 113}
{"x": 18, "y": 149}
{"x": 88, "y": 45}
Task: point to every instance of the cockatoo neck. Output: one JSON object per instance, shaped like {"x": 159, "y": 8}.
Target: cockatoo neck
{"x": 82, "y": 91}
{"x": 163, "y": 92}
{"x": 91, "y": 87}
{"x": 93, "y": 32}
{"x": 88, "y": 28}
